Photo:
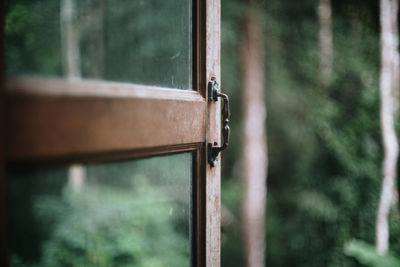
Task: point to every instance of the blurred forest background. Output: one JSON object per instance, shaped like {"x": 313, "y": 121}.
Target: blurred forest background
{"x": 324, "y": 141}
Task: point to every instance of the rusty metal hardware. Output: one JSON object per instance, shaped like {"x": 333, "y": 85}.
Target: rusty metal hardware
{"x": 213, "y": 95}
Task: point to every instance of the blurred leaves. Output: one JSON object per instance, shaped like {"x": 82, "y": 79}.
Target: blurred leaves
{"x": 146, "y": 42}
{"x": 324, "y": 141}
{"x": 367, "y": 255}
{"x": 130, "y": 213}
{"x": 317, "y": 204}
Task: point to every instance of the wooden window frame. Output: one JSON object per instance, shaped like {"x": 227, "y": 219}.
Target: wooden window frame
{"x": 92, "y": 121}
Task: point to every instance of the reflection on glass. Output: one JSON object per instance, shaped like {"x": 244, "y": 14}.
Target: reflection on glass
{"x": 140, "y": 41}
{"x": 132, "y": 213}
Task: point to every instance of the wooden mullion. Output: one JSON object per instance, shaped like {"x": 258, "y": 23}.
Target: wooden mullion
{"x": 213, "y": 128}
{"x": 200, "y": 210}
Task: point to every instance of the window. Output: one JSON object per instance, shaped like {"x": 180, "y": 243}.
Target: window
{"x": 107, "y": 125}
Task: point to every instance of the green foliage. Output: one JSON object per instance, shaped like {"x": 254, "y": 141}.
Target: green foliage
{"x": 134, "y": 213}
{"x": 32, "y": 40}
{"x": 123, "y": 232}
{"x": 367, "y": 255}
{"x": 324, "y": 142}
{"x": 145, "y": 42}
{"x": 230, "y": 235}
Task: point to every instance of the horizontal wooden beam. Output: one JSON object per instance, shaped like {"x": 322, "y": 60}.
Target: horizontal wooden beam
{"x": 49, "y": 118}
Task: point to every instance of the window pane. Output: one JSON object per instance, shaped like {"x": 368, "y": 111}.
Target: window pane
{"x": 140, "y": 41}
{"x": 130, "y": 213}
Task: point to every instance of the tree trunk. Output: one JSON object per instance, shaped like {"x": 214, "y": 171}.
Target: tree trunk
{"x": 389, "y": 138}
{"x": 71, "y": 61}
{"x": 254, "y": 160}
{"x": 93, "y": 26}
{"x": 325, "y": 40}
{"x": 72, "y": 71}
{"x": 76, "y": 177}
{"x": 100, "y": 49}
{"x": 395, "y": 57}
{"x": 395, "y": 81}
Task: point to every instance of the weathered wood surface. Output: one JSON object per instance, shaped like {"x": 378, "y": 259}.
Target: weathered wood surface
{"x": 213, "y": 181}
{"x": 54, "y": 118}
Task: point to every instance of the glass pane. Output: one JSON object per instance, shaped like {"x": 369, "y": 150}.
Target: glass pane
{"x": 140, "y": 41}
{"x": 130, "y": 213}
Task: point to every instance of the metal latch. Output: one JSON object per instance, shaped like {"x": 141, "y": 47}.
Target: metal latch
{"x": 213, "y": 94}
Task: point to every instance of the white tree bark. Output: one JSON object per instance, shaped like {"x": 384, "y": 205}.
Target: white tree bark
{"x": 92, "y": 26}
{"x": 389, "y": 138}
{"x": 395, "y": 82}
{"x": 325, "y": 40}
{"x": 254, "y": 160}
{"x": 71, "y": 61}
{"x": 395, "y": 56}
{"x": 76, "y": 177}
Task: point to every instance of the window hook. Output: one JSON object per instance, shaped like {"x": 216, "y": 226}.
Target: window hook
{"x": 213, "y": 95}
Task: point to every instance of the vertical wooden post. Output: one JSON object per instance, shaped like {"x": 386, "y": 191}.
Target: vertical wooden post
{"x": 213, "y": 175}
{"x": 254, "y": 159}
